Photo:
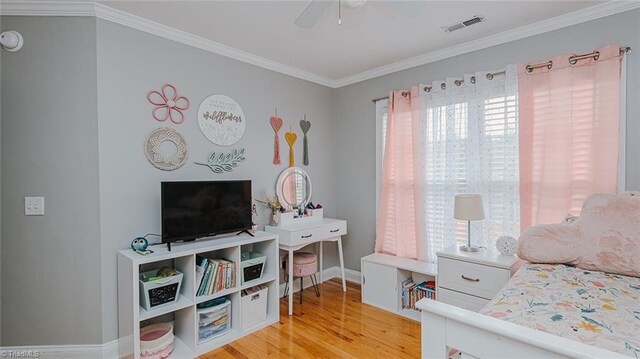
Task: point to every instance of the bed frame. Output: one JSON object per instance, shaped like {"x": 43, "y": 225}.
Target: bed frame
{"x": 445, "y": 326}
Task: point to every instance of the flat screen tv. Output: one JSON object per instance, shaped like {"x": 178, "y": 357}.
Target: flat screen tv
{"x": 192, "y": 210}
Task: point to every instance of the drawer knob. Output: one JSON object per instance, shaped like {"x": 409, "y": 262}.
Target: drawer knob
{"x": 470, "y": 279}
{"x": 334, "y": 230}
{"x": 307, "y": 236}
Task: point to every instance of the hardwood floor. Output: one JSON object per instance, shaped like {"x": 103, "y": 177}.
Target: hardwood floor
{"x": 335, "y": 325}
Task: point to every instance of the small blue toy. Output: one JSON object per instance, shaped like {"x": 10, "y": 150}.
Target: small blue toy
{"x": 139, "y": 244}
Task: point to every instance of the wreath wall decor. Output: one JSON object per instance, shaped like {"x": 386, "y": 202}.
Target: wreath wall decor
{"x": 224, "y": 162}
{"x": 160, "y": 160}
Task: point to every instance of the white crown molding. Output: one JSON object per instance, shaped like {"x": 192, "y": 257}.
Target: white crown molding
{"x": 540, "y": 27}
{"x": 62, "y": 8}
{"x": 42, "y": 8}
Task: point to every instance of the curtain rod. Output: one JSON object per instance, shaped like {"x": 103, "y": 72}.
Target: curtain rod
{"x": 443, "y": 86}
{"x": 572, "y": 60}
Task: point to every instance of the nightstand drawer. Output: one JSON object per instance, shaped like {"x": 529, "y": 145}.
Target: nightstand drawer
{"x": 471, "y": 278}
{"x": 461, "y": 300}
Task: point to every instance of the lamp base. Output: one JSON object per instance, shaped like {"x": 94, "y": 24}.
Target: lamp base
{"x": 467, "y": 248}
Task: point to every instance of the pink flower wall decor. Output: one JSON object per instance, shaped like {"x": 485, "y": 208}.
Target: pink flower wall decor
{"x": 167, "y": 104}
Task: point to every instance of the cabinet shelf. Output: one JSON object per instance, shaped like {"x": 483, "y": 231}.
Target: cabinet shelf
{"x": 180, "y": 350}
{"x": 260, "y": 281}
{"x": 217, "y": 341}
{"x": 181, "y": 303}
{"x": 222, "y": 293}
{"x": 270, "y": 319}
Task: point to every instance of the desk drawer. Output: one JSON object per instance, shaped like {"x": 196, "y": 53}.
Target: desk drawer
{"x": 334, "y": 230}
{"x": 306, "y": 235}
{"x": 474, "y": 279}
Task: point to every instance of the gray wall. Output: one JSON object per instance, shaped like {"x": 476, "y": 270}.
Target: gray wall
{"x": 75, "y": 118}
{"x": 130, "y": 63}
{"x": 50, "y": 264}
{"x": 356, "y": 112}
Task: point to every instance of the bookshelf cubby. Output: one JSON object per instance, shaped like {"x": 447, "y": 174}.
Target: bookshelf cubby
{"x": 382, "y": 278}
{"x": 183, "y": 313}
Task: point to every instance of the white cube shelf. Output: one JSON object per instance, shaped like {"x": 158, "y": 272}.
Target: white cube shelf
{"x": 183, "y": 312}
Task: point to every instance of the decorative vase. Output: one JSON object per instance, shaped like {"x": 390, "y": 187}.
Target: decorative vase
{"x": 274, "y": 219}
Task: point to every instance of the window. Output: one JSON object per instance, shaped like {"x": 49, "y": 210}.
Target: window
{"x": 472, "y": 154}
{"x": 471, "y": 146}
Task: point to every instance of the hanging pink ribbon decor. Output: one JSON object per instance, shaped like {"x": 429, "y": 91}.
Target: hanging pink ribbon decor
{"x": 276, "y": 123}
{"x": 167, "y": 104}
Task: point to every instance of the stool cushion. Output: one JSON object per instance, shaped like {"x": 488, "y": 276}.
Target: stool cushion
{"x": 304, "y": 264}
{"x": 304, "y": 258}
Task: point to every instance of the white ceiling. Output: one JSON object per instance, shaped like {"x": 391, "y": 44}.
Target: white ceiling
{"x": 378, "y": 34}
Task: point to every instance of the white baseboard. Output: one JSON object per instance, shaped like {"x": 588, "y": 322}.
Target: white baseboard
{"x": 328, "y": 273}
{"x": 81, "y": 351}
{"x": 352, "y": 275}
{"x": 110, "y": 350}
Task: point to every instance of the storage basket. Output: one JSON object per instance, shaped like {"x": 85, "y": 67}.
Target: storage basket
{"x": 214, "y": 321}
{"x": 156, "y": 341}
{"x": 253, "y": 307}
{"x": 160, "y": 292}
{"x": 252, "y": 266}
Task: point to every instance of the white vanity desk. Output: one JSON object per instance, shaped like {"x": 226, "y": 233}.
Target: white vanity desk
{"x": 293, "y": 237}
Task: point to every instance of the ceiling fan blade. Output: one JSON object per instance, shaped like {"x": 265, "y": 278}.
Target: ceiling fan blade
{"x": 312, "y": 13}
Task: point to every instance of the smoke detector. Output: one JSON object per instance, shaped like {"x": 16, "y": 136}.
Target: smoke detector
{"x": 466, "y": 23}
{"x": 11, "y": 41}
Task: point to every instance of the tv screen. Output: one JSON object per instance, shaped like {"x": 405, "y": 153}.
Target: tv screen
{"x": 192, "y": 210}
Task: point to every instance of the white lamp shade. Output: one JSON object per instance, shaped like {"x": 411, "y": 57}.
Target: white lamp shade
{"x": 468, "y": 207}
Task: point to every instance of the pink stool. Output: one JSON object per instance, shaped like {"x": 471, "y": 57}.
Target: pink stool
{"x": 304, "y": 264}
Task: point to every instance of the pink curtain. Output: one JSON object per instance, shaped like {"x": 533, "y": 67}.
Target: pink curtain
{"x": 569, "y": 128}
{"x": 399, "y": 229}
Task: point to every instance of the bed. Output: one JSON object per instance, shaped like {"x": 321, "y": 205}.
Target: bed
{"x": 544, "y": 311}
{"x": 555, "y": 310}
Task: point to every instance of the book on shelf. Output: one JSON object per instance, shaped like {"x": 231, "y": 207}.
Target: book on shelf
{"x": 200, "y": 269}
{"x": 413, "y": 292}
{"x": 217, "y": 275}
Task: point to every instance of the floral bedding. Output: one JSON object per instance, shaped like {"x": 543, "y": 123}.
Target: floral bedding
{"x": 595, "y": 308}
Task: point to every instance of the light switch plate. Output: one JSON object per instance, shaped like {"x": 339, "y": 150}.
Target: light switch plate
{"x": 34, "y": 206}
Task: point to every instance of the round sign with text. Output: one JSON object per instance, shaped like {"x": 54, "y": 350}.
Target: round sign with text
{"x": 221, "y": 120}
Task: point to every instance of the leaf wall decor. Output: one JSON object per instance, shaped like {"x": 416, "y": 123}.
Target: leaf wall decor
{"x": 224, "y": 162}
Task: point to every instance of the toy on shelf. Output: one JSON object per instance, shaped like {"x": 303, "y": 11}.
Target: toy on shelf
{"x": 139, "y": 245}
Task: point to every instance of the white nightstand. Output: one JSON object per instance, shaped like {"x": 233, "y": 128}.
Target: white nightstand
{"x": 470, "y": 279}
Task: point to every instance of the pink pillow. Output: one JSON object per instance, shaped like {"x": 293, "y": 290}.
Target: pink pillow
{"x": 606, "y": 237}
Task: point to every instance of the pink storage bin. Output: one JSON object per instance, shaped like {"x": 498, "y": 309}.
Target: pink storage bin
{"x": 156, "y": 341}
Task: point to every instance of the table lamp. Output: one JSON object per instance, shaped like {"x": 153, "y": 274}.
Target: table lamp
{"x": 468, "y": 207}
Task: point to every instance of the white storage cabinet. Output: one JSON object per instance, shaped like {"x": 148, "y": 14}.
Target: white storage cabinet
{"x": 183, "y": 312}
{"x": 382, "y": 277}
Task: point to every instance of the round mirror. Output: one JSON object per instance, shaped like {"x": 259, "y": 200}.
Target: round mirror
{"x": 294, "y": 188}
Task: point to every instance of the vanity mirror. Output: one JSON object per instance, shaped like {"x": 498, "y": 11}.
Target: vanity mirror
{"x": 293, "y": 189}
